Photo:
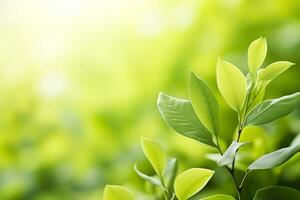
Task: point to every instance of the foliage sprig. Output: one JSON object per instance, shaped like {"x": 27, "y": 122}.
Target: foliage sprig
{"x": 199, "y": 118}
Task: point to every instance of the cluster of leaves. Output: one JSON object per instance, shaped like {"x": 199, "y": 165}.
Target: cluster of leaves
{"x": 199, "y": 118}
{"x": 181, "y": 187}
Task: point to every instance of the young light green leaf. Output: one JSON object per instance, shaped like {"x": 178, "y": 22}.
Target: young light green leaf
{"x": 180, "y": 115}
{"x": 257, "y": 52}
{"x": 257, "y": 98}
{"x": 232, "y": 84}
{"x": 229, "y": 154}
{"x": 116, "y": 192}
{"x": 277, "y": 193}
{"x": 272, "y": 109}
{"x": 273, "y": 70}
{"x": 275, "y": 158}
{"x": 150, "y": 179}
{"x": 170, "y": 173}
{"x": 204, "y": 103}
{"x": 155, "y": 154}
{"x": 191, "y": 181}
{"x": 219, "y": 197}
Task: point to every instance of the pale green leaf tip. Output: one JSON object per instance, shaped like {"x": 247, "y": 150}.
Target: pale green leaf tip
{"x": 159, "y": 99}
{"x": 220, "y": 59}
{"x": 210, "y": 172}
{"x": 291, "y": 63}
{"x": 109, "y": 187}
{"x": 219, "y": 62}
{"x": 160, "y": 94}
{"x": 286, "y": 62}
{"x": 262, "y": 38}
{"x": 144, "y": 139}
{"x": 192, "y": 74}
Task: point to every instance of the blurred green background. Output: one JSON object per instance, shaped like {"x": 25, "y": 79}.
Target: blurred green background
{"x": 80, "y": 78}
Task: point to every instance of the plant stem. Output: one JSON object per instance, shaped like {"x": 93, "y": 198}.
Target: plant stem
{"x": 237, "y": 140}
{"x": 165, "y": 191}
{"x": 243, "y": 180}
{"x": 242, "y": 117}
{"x": 234, "y": 182}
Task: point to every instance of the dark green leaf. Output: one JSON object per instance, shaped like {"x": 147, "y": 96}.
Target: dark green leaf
{"x": 180, "y": 115}
{"x": 272, "y": 109}
{"x": 277, "y": 193}
{"x": 204, "y": 103}
{"x": 276, "y": 158}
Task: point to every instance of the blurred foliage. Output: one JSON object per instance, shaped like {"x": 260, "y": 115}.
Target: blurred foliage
{"x": 79, "y": 82}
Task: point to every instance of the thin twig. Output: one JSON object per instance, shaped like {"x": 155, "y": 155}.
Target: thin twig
{"x": 165, "y": 191}
{"x": 243, "y": 180}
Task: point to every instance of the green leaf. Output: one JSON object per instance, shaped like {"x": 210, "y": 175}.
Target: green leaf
{"x": 155, "y": 154}
{"x": 277, "y": 193}
{"x": 258, "y": 97}
{"x": 257, "y": 52}
{"x": 232, "y": 84}
{"x": 274, "y": 159}
{"x": 150, "y": 179}
{"x": 170, "y": 173}
{"x": 180, "y": 115}
{"x": 219, "y": 197}
{"x": 191, "y": 181}
{"x": 213, "y": 156}
{"x": 278, "y": 157}
{"x": 229, "y": 154}
{"x": 296, "y": 141}
{"x": 273, "y": 70}
{"x": 204, "y": 103}
{"x": 116, "y": 192}
{"x": 272, "y": 109}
